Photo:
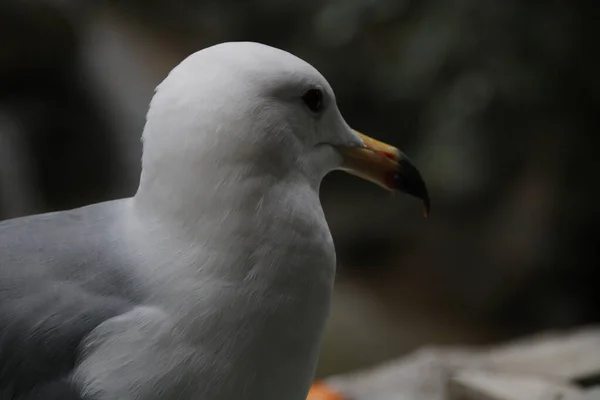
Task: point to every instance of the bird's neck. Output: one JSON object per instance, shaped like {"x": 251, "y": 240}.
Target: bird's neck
{"x": 261, "y": 265}
{"x": 240, "y": 231}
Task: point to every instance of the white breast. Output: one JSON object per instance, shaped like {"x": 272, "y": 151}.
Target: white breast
{"x": 238, "y": 316}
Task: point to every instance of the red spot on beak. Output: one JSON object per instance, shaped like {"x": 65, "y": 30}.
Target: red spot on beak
{"x": 387, "y": 155}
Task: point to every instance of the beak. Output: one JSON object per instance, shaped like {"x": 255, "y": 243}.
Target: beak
{"x": 385, "y": 166}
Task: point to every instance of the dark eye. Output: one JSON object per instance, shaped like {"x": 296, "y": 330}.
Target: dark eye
{"x": 313, "y": 100}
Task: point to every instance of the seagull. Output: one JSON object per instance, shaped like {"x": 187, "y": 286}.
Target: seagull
{"x": 214, "y": 280}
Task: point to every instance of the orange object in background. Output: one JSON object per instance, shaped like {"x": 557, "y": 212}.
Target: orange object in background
{"x": 320, "y": 391}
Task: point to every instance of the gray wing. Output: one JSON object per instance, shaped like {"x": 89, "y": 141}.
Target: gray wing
{"x": 61, "y": 275}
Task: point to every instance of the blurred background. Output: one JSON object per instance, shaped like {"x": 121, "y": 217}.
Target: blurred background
{"x": 497, "y": 103}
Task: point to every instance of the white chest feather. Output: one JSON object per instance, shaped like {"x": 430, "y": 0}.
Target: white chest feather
{"x": 240, "y": 315}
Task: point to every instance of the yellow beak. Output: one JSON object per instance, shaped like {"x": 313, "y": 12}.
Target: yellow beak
{"x": 386, "y": 166}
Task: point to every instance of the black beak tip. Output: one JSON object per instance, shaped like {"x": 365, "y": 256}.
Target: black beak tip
{"x": 409, "y": 181}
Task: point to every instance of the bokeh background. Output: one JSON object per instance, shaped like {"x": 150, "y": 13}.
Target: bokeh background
{"x": 497, "y": 102}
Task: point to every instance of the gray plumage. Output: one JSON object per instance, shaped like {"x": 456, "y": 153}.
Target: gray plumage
{"x": 61, "y": 275}
{"x": 214, "y": 281}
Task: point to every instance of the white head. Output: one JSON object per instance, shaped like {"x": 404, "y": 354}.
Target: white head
{"x": 240, "y": 110}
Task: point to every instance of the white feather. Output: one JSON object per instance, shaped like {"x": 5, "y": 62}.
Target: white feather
{"x": 229, "y": 235}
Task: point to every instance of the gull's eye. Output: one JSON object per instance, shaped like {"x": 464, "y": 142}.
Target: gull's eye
{"x": 313, "y": 99}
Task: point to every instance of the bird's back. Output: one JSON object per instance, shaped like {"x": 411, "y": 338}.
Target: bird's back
{"x": 61, "y": 275}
